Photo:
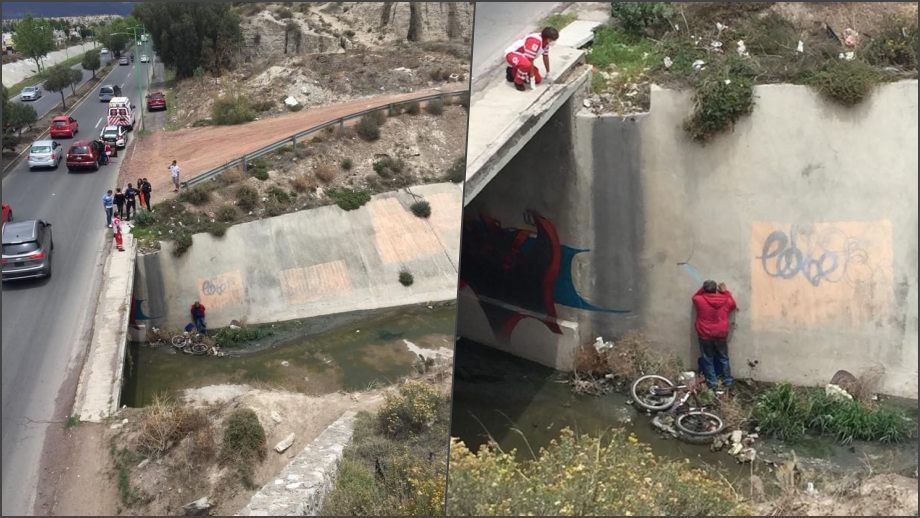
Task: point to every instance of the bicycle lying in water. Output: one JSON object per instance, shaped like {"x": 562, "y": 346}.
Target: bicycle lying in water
{"x": 191, "y": 343}
{"x": 659, "y": 394}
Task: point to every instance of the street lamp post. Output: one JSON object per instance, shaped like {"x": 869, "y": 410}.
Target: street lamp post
{"x": 137, "y": 81}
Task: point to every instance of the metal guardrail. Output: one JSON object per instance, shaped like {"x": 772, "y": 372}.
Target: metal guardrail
{"x": 292, "y": 140}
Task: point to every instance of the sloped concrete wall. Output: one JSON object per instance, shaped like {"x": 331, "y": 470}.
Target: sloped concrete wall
{"x": 309, "y": 263}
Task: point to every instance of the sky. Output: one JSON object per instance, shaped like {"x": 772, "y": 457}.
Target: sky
{"x": 14, "y": 10}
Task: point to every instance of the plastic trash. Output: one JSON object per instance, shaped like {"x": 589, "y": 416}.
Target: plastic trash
{"x": 698, "y": 65}
{"x": 850, "y": 37}
{"x": 668, "y": 62}
{"x": 742, "y": 49}
{"x": 801, "y": 47}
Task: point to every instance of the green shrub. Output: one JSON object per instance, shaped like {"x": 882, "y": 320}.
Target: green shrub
{"x": 217, "y": 229}
{"x": 196, "y": 195}
{"x": 640, "y": 18}
{"x": 247, "y": 198}
{"x": 202, "y": 122}
{"x": 368, "y": 127}
{"x": 381, "y": 116}
{"x": 406, "y": 278}
{"x": 787, "y": 413}
{"x": 278, "y": 194}
{"x": 228, "y": 337}
{"x": 457, "y": 171}
{"x": 243, "y": 443}
{"x": 435, "y": 107}
{"x": 845, "y": 82}
{"x": 274, "y": 208}
{"x": 411, "y": 409}
{"x": 769, "y": 35}
{"x": 612, "y": 475}
{"x": 144, "y": 218}
{"x": 258, "y": 169}
{"x": 347, "y": 164}
{"x": 226, "y": 213}
{"x": 387, "y": 167}
{"x": 421, "y": 209}
{"x": 720, "y": 100}
{"x": 232, "y": 109}
{"x": 895, "y": 46}
{"x": 183, "y": 241}
{"x": 349, "y": 199}
{"x": 413, "y": 108}
{"x": 262, "y": 105}
{"x": 558, "y": 21}
{"x": 283, "y": 13}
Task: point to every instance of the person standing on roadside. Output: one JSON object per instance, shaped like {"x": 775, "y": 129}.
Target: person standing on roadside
{"x": 140, "y": 193}
{"x": 174, "y": 173}
{"x": 119, "y": 200}
{"x": 130, "y": 202}
{"x": 147, "y": 189}
{"x": 714, "y": 303}
{"x": 116, "y": 225}
{"x": 107, "y": 201}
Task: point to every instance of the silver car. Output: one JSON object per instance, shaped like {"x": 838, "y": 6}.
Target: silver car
{"x": 27, "y": 247}
{"x": 30, "y": 93}
{"x": 45, "y": 153}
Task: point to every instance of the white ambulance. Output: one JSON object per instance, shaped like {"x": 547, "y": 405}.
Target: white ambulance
{"x": 121, "y": 113}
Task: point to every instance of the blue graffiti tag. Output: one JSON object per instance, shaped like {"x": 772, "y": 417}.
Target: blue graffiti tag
{"x": 783, "y": 256}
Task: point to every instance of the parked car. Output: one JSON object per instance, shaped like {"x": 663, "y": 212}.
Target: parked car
{"x": 45, "y": 153}
{"x": 7, "y": 213}
{"x": 27, "y": 247}
{"x": 64, "y": 126}
{"x": 30, "y": 93}
{"x": 81, "y": 155}
{"x": 115, "y": 135}
{"x": 156, "y": 101}
{"x": 123, "y": 60}
{"x": 145, "y": 58}
{"x": 108, "y": 92}
{"x": 104, "y": 51}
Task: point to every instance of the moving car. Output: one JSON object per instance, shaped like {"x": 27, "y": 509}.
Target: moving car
{"x": 156, "y": 101}
{"x": 145, "y": 58}
{"x": 30, "y": 93}
{"x": 45, "y": 153}
{"x": 109, "y": 92}
{"x": 7, "y": 213}
{"x": 123, "y": 60}
{"x": 104, "y": 51}
{"x": 64, "y": 126}
{"x": 27, "y": 247}
{"x": 81, "y": 155}
{"x": 115, "y": 135}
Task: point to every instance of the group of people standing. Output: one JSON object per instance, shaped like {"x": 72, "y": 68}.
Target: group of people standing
{"x": 103, "y": 151}
{"x": 124, "y": 204}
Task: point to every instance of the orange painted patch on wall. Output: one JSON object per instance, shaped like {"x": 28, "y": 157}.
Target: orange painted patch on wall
{"x": 312, "y": 283}
{"x": 222, "y": 290}
{"x": 399, "y": 235}
{"x": 828, "y": 274}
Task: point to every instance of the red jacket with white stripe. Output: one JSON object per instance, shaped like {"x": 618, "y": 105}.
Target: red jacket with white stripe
{"x": 532, "y": 46}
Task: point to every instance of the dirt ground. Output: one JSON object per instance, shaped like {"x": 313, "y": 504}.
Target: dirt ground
{"x": 87, "y": 480}
{"x": 200, "y": 149}
{"x": 880, "y": 495}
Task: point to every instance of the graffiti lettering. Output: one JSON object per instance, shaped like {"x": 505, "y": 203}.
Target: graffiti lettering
{"x": 830, "y": 256}
{"x": 210, "y": 288}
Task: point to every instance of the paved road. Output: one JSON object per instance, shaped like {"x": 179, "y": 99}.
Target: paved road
{"x": 497, "y": 25}
{"x": 45, "y": 323}
{"x": 49, "y": 100}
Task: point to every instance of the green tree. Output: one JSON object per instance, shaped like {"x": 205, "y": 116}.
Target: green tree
{"x": 75, "y": 77}
{"x": 191, "y": 35}
{"x": 34, "y": 38}
{"x": 19, "y": 116}
{"x": 59, "y": 78}
{"x": 91, "y": 62}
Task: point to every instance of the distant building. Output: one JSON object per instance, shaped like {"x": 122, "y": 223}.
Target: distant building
{"x": 7, "y": 41}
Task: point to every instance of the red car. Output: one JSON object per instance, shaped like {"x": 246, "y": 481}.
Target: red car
{"x": 64, "y": 126}
{"x": 7, "y": 213}
{"x": 81, "y": 155}
{"x": 156, "y": 101}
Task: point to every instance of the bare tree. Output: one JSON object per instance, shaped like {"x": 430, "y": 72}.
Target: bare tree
{"x": 415, "y": 22}
{"x": 453, "y": 24}
{"x": 385, "y": 14}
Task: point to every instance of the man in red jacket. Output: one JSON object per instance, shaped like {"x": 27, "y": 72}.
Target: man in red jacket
{"x": 714, "y": 304}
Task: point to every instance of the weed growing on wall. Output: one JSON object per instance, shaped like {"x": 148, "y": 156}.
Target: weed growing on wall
{"x": 243, "y": 443}
{"x": 582, "y": 475}
{"x": 350, "y": 199}
{"x": 421, "y": 209}
{"x": 406, "y": 278}
{"x": 845, "y": 82}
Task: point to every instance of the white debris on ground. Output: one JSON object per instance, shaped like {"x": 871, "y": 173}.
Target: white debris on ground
{"x": 442, "y": 353}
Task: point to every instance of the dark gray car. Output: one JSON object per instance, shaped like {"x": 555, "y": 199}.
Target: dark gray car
{"x": 27, "y": 247}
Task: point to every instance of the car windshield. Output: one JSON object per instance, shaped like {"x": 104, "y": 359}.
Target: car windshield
{"x": 106, "y": 90}
{"x": 19, "y": 248}
{"x": 79, "y": 150}
{"x": 60, "y": 123}
{"x": 41, "y": 149}
{"x": 30, "y": 89}
{"x": 110, "y": 133}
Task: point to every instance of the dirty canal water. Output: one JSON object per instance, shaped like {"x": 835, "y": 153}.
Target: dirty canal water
{"x": 313, "y": 356}
{"x": 523, "y": 406}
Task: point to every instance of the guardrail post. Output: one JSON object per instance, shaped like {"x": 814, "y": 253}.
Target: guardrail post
{"x": 293, "y": 143}
{"x": 245, "y": 164}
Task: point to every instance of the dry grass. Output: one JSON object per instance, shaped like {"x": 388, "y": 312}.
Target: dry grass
{"x": 231, "y": 176}
{"x": 165, "y": 423}
{"x": 326, "y": 172}
{"x": 589, "y": 361}
{"x": 634, "y": 355}
{"x": 733, "y": 410}
{"x": 303, "y": 183}
{"x": 868, "y": 383}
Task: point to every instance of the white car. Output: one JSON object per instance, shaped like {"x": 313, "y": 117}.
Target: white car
{"x": 145, "y": 58}
{"x": 104, "y": 51}
{"x": 115, "y": 135}
{"x": 30, "y": 93}
{"x": 45, "y": 153}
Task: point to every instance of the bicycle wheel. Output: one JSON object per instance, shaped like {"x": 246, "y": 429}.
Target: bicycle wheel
{"x": 699, "y": 423}
{"x": 647, "y": 392}
{"x": 197, "y": 349}
{"x": 179, "y": 341}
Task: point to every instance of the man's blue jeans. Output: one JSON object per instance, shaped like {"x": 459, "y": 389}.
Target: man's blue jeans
{"x": 714, "y": 361}
{"x": 200, "y": 325}
{"x": 108, "y": 216}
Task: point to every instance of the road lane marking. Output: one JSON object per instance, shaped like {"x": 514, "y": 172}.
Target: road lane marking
{"x": 100, "y": 122}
